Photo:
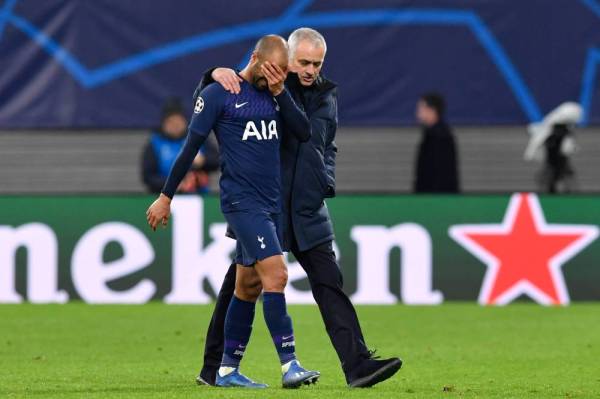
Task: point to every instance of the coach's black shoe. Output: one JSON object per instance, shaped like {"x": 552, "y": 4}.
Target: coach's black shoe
{"x": 207, "y": 376}
{"x": 373, "y": 371}
{"x": 201, "y": 381}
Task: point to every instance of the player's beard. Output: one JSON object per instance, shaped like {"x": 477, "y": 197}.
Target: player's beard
{"x": 260, "y": 82}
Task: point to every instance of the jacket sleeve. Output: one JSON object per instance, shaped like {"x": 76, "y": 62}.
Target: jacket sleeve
{"x": 204, "y": 81}
{"x": 324, "y": 126}
{"x": 150, "y": 175}
{"x": 330, "y": 155}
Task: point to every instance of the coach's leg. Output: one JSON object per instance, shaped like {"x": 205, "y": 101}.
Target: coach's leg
{"x": 339, "y": 315}
{"x": 213, "y": 347}
{"x": 360, "y": 368}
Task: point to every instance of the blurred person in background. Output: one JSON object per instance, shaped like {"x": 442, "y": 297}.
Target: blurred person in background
{"x": 164, "y": 145}
{"x": 437, "y": 158}
{"x": 552, "y": 142}
{"x": 558, "y": 174}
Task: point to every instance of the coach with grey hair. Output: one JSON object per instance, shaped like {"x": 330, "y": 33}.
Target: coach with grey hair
{"x": 308, "y": 177}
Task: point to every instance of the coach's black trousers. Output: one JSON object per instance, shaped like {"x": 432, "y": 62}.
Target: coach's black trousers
{"x": 338, "y": 313}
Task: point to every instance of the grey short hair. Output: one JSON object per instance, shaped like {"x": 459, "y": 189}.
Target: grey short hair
{"x": 309, "y": 34}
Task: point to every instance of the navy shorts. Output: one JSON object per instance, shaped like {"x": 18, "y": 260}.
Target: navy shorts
{"x": 258, "y": 235}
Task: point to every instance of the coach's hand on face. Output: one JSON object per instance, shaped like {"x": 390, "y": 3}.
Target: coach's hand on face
{"x": 275, "y": 77}
{"x": 159, "y": 212}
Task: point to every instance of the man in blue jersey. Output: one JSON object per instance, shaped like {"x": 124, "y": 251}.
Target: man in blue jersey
{"x": 248, "y": 127}
{"x": 308, "y": 178}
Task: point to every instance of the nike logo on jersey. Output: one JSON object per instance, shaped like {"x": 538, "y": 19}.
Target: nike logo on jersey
{"x": 240, "y": 105}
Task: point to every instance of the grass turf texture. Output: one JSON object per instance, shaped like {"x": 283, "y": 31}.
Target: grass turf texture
{"x": 454, "y": 350}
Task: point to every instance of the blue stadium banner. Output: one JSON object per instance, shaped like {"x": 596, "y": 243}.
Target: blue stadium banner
{"x": 110, "y": 63}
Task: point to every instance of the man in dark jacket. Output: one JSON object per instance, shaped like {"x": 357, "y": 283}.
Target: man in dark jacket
{"x": 437, "y": 161}
{"x": 308, "y": 177}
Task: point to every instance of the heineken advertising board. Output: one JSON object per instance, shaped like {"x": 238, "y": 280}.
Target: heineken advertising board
{"x": 420, "y": 250}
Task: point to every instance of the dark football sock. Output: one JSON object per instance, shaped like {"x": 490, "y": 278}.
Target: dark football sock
{"x": 238, "y": 326}
{"x": 280, "y": 325}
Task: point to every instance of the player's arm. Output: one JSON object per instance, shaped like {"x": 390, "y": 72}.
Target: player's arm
{"x": 208, "y": 107}
{"x": 294, "y": 118}
{"x": 182, "y": 164}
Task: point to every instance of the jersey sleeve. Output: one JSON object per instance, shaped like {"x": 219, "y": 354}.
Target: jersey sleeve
{"x": 207, "y": 109}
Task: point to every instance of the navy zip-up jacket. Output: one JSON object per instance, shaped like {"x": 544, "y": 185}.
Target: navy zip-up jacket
{"x": 307, "y": 169}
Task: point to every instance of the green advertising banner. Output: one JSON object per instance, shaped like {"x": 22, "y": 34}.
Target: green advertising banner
{"x": 409, "y": 249}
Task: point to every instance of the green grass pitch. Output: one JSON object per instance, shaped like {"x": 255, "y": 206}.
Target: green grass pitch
{"x": 154, "y": 351}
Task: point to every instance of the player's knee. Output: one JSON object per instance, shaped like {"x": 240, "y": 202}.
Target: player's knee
{"x": 248, "y": 289}
{"x": 276, "y": 281}
{"x": 246, "y": 294}
{"x": 254, "y": 289}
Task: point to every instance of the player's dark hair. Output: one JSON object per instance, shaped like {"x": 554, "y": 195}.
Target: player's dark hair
{"x": 435, "y": 101}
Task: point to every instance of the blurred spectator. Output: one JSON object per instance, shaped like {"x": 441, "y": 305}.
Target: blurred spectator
{"x": 558, "y": 175}
{"x": 552, "y": 142}
{"x": 164, "y": 145}
{"x": 437, "y": 160}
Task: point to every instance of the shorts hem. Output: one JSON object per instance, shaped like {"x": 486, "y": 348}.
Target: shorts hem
{"x": 257, "y": 259}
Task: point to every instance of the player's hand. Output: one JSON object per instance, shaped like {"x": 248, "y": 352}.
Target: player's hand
{"x": 275, "y": 77}
{"x": 159, "y": 212}
{"x": 227, "y": 78}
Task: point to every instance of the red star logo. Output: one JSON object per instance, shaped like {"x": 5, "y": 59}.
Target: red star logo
{"x": 524, "y": 254}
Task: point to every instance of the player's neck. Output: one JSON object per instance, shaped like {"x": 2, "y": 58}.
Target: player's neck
{"x": 245, "y": 74}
